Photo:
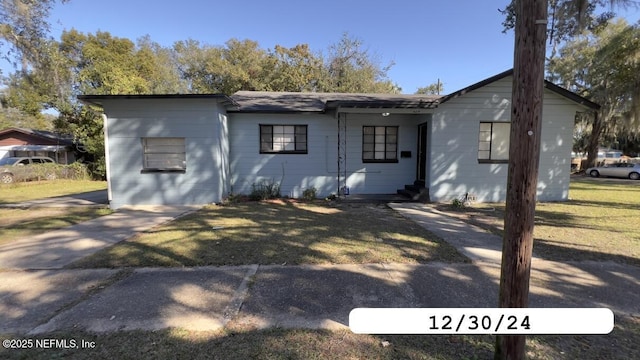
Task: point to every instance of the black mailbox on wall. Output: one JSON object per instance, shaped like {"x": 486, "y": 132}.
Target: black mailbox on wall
{"x": 405, "y": 154}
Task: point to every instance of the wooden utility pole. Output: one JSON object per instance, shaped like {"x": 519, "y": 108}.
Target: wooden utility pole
{"x": 524, "y": 155}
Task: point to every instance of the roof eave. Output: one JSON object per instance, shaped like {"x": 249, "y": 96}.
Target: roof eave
{"x": 285, "y": 111}
{"x": 547, "y": 84}
{"x": 99, "y": 99}
{"x": 571, "y": 95}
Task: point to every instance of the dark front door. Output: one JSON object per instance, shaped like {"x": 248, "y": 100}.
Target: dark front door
{"x": 422, "y": 152}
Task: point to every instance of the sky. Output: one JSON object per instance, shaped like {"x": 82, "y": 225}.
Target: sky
{"x": 459, "y": 42}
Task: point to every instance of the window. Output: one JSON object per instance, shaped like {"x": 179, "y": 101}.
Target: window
{"x": 285, "y": 139}
{"x": 493, "y": 142}
{"x": 164, "y": 154}
{"x": 380, "y": 144}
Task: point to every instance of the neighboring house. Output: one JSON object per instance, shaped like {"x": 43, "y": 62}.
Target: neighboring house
{"x": 15, "y": 142}
{"x": 197, "y": 149}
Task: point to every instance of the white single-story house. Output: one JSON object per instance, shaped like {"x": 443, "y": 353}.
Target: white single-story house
{"x": 198, "y": 148}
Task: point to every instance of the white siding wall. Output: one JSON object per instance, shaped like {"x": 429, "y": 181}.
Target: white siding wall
{"x": 318, "y": 168}
{"x": 202, "y": 126}
{"x": 453, "y": 141}
{"x": 294, "y": 172}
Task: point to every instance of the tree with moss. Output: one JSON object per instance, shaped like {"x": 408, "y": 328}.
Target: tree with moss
{"x": 603, "y": 64}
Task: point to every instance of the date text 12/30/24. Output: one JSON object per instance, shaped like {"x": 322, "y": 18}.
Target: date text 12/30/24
{"x": 507, "y": 321}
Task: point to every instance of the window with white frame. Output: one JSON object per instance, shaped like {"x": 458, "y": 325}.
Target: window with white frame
{"x": 493, "y": 142}
{"x": 164, "y": 154}
{"x": 380, "y": 144}
{"x": 286, "y": 139}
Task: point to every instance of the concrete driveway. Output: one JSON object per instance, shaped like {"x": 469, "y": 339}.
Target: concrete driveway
{"x": 96, "y": 198}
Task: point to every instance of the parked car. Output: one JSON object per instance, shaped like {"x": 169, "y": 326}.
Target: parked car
{"x": 24, "y": 168}
{"x": 619, "y": 170}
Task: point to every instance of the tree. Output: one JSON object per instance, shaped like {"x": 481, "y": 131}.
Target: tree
{"x": 85, "y": 124}
{"x": 13, "y": 117}
{"x": 24, "y": 27}
{"x": 531, "y": 19}
{"x": 157, "y": 65}
{"x": 567, "y": 18}
{"x": 351, "y": 69}
{"x": 239, "y": 65}
{"x": 243, "y": 65}
{"x": 604, "y": 65}
{"x": 103, "y": 64}
{"x": 295, "y": 69}
{"x": 435, "y": 88}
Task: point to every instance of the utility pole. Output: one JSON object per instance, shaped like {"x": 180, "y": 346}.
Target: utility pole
{"x": 524, "y": 155}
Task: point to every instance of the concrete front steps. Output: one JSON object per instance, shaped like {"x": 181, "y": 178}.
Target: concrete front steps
{"x": 416, "y": 192}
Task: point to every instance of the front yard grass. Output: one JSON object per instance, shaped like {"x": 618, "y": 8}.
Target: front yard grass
{"x": 25, "y": 191}
{"x": 622, "y": 343}
{"x": 599, "y": 223}
{"x": 280, "y": 232}
{"x": 20, "y": 223}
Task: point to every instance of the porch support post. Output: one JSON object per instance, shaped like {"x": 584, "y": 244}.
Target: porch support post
{"x": 342, "y": 153}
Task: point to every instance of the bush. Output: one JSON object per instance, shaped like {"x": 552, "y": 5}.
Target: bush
{"x": 309, "y": 194}
{"x": 458, "y": 204}
{"x": 76, "y": 171}
{"x": 37, "y": 172}
{"x": 264, "y": 190}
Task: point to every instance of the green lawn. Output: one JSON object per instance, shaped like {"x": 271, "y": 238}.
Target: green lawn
{"x": 20, "y": 223}
{"x": 280, "y": 233}
{"x": 599, "y": 222}
{"x": 18, "y": 192}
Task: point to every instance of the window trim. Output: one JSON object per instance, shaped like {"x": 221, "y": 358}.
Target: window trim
{"x": 145, "y": 169}
{"x": 490, "y": 142}
{"x": 296, "y": 141}
{"x": 385, "y": 160}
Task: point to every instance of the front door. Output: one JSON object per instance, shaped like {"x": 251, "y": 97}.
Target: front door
{"x": 422, "y": 152}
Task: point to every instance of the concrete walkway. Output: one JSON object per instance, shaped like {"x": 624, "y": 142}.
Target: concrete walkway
{"x": 55, "y": 249}
{"x": 209, "y": 298}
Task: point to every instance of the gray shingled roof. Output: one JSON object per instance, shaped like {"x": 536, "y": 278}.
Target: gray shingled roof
{"x": 287, "y": 102}
{"x": 53, "y": 136}
{"x": 277, "y": 102}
